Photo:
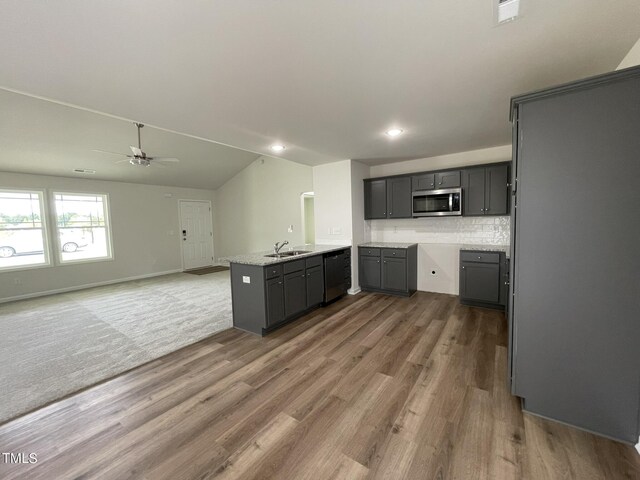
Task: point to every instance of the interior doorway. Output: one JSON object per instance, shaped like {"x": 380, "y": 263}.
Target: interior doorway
{"x": 196, "y": 233}
{"x": 308, "y": 218}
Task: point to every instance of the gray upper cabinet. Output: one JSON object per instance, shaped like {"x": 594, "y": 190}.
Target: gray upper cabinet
{"x": 399, "y": 197}
{"x": 375, "y": 199}
{"x": 485, "y": 190}
{"x": 473, "y": 191}
{"x": 450, "y": 179}
{"x": 426, "y": 181}
{"x": 315, "y": 286}
{"x": 496, "y": 190}
{"x": 275, "y": 301}
{"x": 394, "y": 274}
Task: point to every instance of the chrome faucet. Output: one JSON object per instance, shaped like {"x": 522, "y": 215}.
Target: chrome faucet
{"x": 277, "y": 247}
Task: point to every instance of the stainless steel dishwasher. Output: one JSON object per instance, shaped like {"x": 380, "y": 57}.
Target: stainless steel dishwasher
{"x": 336, "y": 280}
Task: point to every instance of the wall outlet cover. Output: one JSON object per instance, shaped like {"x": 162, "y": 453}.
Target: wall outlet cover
{"x": 246, "y": 279}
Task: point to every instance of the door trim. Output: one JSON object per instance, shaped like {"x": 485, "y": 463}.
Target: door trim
{"x": 180, "y": 201}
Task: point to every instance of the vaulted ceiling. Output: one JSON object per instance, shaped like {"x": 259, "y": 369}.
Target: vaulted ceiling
{"x": 325, "y": 78}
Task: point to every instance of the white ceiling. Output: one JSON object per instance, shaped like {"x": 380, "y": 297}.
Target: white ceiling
{"x": 325, "y": 78}
{"x": 46, "y": 138}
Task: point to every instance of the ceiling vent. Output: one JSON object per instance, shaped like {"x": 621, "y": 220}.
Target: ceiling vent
{"x": 84, "y": 170}
{"x": 507, "y": 10}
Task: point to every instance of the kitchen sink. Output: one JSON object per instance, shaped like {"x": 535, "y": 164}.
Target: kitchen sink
{"x": 290, "y": 253}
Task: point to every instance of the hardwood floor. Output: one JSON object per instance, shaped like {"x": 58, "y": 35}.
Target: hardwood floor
{"x": 370, "y": 387}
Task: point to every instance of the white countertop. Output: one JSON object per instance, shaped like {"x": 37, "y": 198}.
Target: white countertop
{"x": 387, "y": 245}
{"x": 260, "y": 259}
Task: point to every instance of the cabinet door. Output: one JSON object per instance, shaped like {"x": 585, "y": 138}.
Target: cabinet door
{"x": 448, "y": 179}
{"x": 375, "y": 199}
{"x": 426, "y": 181}
{"x": 480, "y": 282}
{"x": 370, "y": 272}
{"x": 394, "y": 274}
{"x": 315, "y": 286}
{"x": 473, "y": 191}
{"x": 295, "y": 293}
{"x": 399, "y": 198}
{"x": 496, "y": 191}
{"x": 275, "y": 301}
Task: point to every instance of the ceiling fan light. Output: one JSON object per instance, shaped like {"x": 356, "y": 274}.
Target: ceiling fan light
{"x": 277, "y": 148}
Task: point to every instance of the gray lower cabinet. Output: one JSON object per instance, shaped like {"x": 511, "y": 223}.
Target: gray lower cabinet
{"x": 394, "y": 274}
{"x": 266, "y": 297}
{"x": 486, "y": 190}
{"x": 370, "y": 273}
{"x": 388, "y": 270}
{"x": 295, "y": 293}
{"x": 314, "y": 286}
{"x": 275, "y": 301}
{"x": 483, "y": 278}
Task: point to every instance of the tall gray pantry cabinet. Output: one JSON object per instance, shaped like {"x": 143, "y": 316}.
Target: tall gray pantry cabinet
{"x": 575, "y": 278}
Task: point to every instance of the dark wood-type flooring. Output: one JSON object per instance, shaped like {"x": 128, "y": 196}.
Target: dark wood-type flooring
{"x": 370, "y": 387}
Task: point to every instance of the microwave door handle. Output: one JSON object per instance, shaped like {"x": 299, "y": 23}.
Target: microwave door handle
{"x": 451, "y": 202}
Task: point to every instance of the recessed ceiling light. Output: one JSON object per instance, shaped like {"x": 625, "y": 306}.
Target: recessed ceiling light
{"x": 277, "y": 148}
{"x": 394, "y": 132}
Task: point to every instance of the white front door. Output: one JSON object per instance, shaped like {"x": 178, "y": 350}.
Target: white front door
{"x": 196, "y": 234}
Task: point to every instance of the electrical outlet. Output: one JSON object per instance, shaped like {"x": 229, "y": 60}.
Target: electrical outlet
{"x": 17, "y": 281}
{"x": 290, "y": 229}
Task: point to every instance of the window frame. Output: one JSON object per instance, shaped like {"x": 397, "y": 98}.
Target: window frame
{"x": 107, "y": 226}
{"x": 44, "y": 222}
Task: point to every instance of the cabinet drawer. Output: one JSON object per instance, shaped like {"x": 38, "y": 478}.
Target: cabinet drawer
{"x": 295, "y": 266}
{"x": 394, "y": 252}
{"x": 272, "y": 271}
{"x": 479, "y": 257}
{"x": 370, "y": 252}
{"x": 313, "y": 261}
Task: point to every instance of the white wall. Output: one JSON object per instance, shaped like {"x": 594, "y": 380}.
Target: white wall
{"x": 333, "y": 202}
{"x": 632, "y": 58}
{"x": 462, "y": 159}
{"x": 360, "y": 230}
{"x": 141, "y": 221}
{"x": 255, "y": 208}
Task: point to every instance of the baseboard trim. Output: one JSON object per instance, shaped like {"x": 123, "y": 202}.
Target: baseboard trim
{"x": 85, "y": 286}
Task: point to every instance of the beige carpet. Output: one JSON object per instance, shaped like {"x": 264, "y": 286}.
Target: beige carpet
{"x": 53, "y": 346}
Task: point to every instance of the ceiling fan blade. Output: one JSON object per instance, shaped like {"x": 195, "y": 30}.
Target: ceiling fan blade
{"x": 164, "y": 159}
{"x": 124, "y": 160}
{"x": 110, "y": 153}
{"x": 157, "y": 165}
{"x": 136, "y": 151}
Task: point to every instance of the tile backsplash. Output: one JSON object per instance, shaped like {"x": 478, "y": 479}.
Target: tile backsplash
{"x": 447, "y": 230}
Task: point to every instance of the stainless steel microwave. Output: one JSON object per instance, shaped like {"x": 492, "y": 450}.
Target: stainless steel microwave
{"x": 436, "y": 203}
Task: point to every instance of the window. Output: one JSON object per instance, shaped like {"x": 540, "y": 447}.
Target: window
{"x": 23, "y": 235}
{"x": 82, "y": 223}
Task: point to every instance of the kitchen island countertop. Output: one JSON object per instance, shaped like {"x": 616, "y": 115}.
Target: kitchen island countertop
{"x": 260, "y": 259}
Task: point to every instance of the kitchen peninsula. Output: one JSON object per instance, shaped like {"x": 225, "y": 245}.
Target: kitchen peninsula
{"x": 271, "y": 288}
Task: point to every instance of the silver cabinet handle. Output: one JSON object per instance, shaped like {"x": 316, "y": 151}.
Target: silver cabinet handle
{"x": 479, "y": 258}
{"x": 463, "y": 268}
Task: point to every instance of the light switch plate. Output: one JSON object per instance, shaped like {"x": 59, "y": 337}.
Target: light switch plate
{"x": 246, "y": 279}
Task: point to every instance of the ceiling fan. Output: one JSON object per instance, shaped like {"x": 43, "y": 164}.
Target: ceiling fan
{"x": 140, "y": 158}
